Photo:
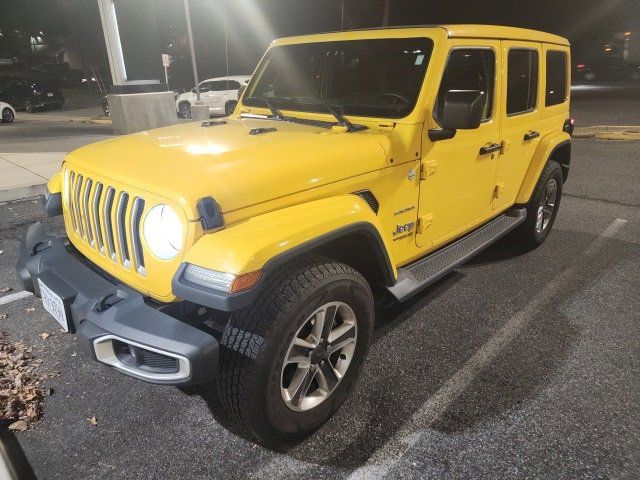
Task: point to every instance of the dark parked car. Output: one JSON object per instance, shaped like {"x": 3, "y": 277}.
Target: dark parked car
{"x": 607, "y": 68}
{"x": 31, "y": 95}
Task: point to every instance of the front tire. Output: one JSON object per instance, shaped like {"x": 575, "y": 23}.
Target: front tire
{"x": 542, "y": 207}
{"x": 289, "y": 360}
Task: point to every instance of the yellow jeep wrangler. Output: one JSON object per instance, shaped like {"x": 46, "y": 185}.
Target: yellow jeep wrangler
{"x": 245, "y": 250}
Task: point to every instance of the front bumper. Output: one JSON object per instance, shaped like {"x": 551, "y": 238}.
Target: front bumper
{"x": 111, "y": 319}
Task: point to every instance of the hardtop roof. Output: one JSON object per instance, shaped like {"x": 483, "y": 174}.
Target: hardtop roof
{"x": 453, "y": 31}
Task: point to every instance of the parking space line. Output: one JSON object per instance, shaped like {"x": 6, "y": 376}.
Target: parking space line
{"x": 14, "y": 296}
{"x": 426, "y": 416}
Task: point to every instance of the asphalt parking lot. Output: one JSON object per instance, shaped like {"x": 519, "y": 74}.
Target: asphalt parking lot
{"x": 516, "y": 365}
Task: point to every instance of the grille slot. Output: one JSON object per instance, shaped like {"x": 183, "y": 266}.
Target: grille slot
{"x": 77, "y": 192}
{"x": 108, "y": 223}
{"x": 107, "y": 219}
{"x": 121, "y": 214}
{"x": 96, "y": 216}
{"x": 136, "y": 216}
{"x": 87, "y": 218}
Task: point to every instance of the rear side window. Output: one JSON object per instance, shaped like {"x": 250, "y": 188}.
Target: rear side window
{"x": 556, "y": 90}
{"x": 469, "y": 69}
{"x": 522, "y": 81}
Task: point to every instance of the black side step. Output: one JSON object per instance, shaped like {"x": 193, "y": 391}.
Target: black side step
{"x": 415, "y": 276}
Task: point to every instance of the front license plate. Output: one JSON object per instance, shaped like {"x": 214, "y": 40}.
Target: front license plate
{"x": 53, "y": 304}
{"x": 49, "y": 94}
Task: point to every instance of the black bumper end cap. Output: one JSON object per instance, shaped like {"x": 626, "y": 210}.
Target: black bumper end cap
{"x": 52, "y": 203}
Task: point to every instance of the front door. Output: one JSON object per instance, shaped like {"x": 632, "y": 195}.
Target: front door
{"x": 458, "y": 174}
{"x": 519, "y": 118}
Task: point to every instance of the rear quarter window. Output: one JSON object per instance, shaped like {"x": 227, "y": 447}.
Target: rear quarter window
{"x": 556, "y": 86}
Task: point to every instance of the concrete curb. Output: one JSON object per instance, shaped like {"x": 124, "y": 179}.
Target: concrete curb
{"x": 64, "y": 119}
{"x": 608, "y": 132}
{"x": 22, "y": 193}
{"x": 91, "y": 120}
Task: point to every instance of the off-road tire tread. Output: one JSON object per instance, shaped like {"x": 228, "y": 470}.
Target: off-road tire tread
{"x": 244, "y": 337}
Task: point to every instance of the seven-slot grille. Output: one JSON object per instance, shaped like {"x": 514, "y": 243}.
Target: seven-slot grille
{"x": 101, "y": 216}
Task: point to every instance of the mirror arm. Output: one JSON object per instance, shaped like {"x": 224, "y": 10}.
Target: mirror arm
{"x": 437, "y": 134}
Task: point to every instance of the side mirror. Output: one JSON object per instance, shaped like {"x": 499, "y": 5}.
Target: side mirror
{"x": 462, "y": 110}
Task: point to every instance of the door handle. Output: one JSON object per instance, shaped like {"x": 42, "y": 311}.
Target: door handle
{"x": 530, "y": 135}
{"x": 487, "y": 149}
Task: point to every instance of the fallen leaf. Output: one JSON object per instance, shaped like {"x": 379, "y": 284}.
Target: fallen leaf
{"x": 3, "y": 316}
{"x": 20, "y": 425}
{"x": 74, "y": 354}
{"x": 1, "y": 252}
{"x": 93, "y": 421}
{"x": 5, "y": 289}
{"x": 30, "y": 309}
{"x": 45, "y": 335}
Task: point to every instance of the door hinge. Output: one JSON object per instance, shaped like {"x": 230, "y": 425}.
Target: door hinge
{"x": 498, "y": 190}
{"x": 424, "y": 222}
{"x": 427, "y": 169}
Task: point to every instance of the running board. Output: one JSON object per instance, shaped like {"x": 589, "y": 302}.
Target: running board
{"x": 418, "y": 275}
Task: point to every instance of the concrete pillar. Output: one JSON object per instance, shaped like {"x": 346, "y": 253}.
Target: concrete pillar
{"x": 135, "y": 105}
{"x": 135, "y": 112}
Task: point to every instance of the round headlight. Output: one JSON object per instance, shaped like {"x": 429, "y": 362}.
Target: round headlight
{"x": 163, "y": 232}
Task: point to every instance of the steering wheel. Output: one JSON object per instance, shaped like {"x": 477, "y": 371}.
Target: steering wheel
{"x": 395, "y": 96}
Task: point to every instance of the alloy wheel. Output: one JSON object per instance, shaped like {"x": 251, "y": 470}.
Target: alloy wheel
{"x": 319, "y": 356}
{"x": 547, "y": 205}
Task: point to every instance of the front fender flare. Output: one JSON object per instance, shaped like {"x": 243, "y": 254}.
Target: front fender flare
{"x": 267, "y": 241}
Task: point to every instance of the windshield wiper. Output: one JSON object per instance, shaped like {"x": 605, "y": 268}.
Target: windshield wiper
{"x": 275, "y": 113}
{"x": 342, "y": 121}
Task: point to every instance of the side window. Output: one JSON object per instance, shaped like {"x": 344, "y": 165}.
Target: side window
{"x": 469, "y": 69}
{"x": 205, "y": 87}
{"x": 556, "y": 89}
{"x": 220, "y": 85}
{"x": 233, "y": 85}
{"x": 522, "y": 81}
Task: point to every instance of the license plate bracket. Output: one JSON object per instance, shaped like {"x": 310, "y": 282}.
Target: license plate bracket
{"x": 57, "y": 297}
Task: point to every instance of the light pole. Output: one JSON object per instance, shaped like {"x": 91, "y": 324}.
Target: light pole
{"x": 193, "y": 53}
{"x": 387, "y": 11}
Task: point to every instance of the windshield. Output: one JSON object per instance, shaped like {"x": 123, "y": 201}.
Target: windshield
{"x": 372, "y": 78}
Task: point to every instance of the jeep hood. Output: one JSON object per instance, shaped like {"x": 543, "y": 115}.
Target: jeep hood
{"x": 228, "y": 161}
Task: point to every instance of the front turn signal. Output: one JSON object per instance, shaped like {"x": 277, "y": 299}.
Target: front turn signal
{"x": 246, "y": 281}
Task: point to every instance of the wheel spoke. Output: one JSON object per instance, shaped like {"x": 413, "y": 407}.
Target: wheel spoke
{"x": 300, "y": 352}
{"x": 341, "y": 336}
{"x": 327, "y": 377}
{"x": 300, "y": 384}
{"x": 323, "y": 322}
{"x": 539, "y": 220}
{"x": 329, "y": 318}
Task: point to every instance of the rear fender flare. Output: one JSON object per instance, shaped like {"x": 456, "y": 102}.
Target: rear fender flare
{"x": 548, "y": 145}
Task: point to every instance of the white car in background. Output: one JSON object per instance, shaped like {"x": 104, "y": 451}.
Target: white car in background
{"x": 221, "y": 94}
{"x": 7, "y": 113}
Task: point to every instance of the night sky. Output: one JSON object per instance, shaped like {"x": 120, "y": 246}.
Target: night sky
{"x": 252, "y": 24}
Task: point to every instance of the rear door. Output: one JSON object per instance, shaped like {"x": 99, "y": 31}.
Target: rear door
{"x": 206, "y": 95}
{"x": 519, "y": 118}
{"x": 456, "y": 190}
